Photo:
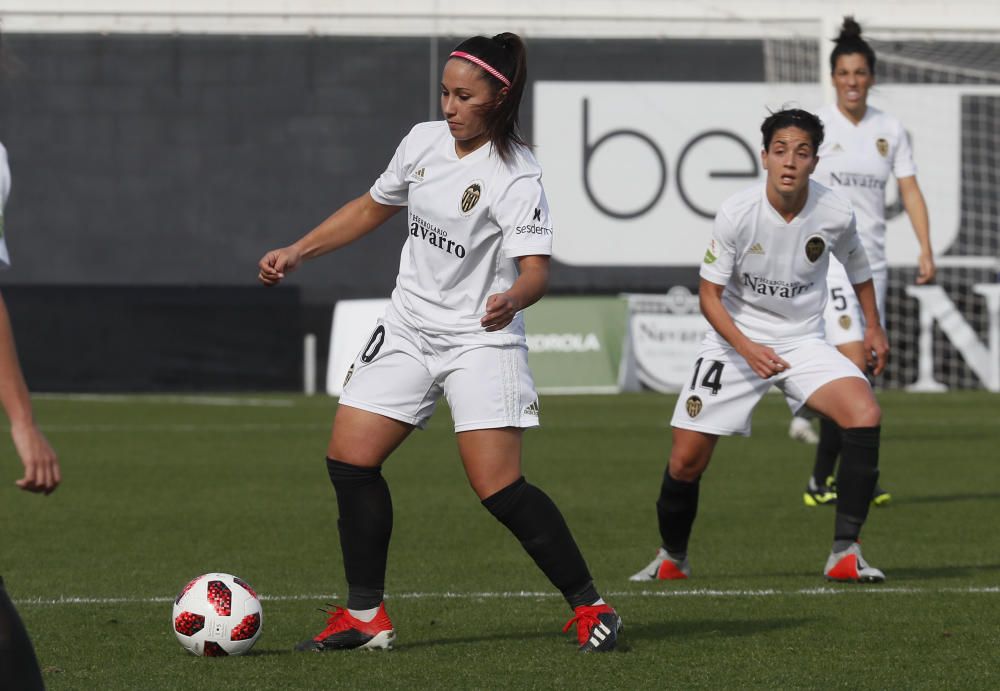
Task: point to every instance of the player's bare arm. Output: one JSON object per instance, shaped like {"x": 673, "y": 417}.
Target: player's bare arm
{"x": 876, "y": 344}
{"x": 352, "y": 221}
{"x": 916, "y": 209}
{"x": 762, "y": 360}
{"x": 41, "y": 466}
{"x": 530, "y": 286}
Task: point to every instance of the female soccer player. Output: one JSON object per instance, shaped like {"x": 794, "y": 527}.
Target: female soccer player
{"x": 763, "y": 283}
{"x": 863, "y": 146}
{"x": 476, "y": 255}
{"x": 18, "y": 665}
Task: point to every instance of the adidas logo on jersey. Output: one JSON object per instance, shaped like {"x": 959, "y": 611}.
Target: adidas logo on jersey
{"x": 531, "y": 409}
{"x": 755, "y": 248}
{"x": 419, "y": 174}
{"x": 835, "y": 148}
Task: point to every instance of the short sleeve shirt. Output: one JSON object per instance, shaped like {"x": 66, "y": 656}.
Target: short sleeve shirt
{"x": 855, "y": 161}
{"x": 469, "y": 219}
{"x": 774, "y": 272}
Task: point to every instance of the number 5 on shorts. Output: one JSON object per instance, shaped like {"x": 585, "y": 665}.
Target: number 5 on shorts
{"x": 713, "y": 376}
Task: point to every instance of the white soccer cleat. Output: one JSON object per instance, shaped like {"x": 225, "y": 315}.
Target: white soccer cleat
{"x": 850, "y": 567}
{"x": 663, "y": 568}
{"x": 801, "y": 429}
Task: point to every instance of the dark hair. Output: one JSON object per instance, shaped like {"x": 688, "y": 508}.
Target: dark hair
{"x": 506, "y": 54}
{"x": 793, "y": 117}
{"x": 850, "y": 42}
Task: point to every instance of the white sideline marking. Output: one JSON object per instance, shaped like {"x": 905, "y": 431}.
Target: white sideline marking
{"x": 699, "y": 592}
{"x": 155, "y": 398}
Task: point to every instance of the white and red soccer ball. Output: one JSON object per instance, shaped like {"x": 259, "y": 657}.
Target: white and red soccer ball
{"x": 217, "y": 614}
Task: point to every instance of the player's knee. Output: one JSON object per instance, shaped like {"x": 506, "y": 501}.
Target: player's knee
{"x": 866, "y": 414}
{"x": 686, "y": 467}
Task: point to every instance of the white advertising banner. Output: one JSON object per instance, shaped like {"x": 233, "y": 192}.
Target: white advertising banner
{"x": 353, "y": 323}
{"x": 662, "y": 341}
{"x": 634, "y": 172}
{"x": 665, "y": 347}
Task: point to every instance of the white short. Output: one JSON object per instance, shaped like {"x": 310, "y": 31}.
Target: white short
{"x": 401, "y": 373}
{"x": 844, "y": 321}
{"x": 723, "y": 390}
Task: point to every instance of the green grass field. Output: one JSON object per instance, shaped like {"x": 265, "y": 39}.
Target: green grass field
{"x": 158, "y": 490}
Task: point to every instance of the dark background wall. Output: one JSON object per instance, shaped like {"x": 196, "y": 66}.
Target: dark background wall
{"x": 161, "y": 161}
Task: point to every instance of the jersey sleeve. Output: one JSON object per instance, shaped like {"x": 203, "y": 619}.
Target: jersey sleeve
{"x": 851, "y": 253}
{"x": 522, "y": 212}
{"x": 902, "y": 161}
{"x": 392, "y": 188}
{"x": 720, "y": 256}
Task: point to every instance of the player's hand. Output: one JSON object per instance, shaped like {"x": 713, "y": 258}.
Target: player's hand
{"x": 41, "y": 467}
{"x": 500, "y": 311}
{"x": 925, "y": 268}
{"x": 763, "y": 360}
{"x": 275, "y": 264}
{"x": 876, "y": 348}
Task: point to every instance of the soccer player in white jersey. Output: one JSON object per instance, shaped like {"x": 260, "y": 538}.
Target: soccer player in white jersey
{"x": 762, "y": 290}
{"x": 863, "y": 146}
{"x": 476, "y": 255}
{"x": 18, "y": 664}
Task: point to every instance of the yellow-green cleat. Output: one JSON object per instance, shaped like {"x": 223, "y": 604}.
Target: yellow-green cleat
{"x": 880, "y": 497}
{"x": 820, "y": 495}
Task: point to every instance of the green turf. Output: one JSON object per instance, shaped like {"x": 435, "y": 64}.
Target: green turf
{"x": 157, "y": 491}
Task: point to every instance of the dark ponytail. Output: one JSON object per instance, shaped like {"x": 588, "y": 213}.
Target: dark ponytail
{"x": 506, "y": 54}
{"x": 850, "y": 42}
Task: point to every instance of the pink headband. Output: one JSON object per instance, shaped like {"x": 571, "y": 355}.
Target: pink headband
{"x": 473, "y": 59}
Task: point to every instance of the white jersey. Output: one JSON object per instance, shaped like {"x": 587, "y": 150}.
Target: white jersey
{"x": 774, "y": 272}
{"x": 469, "y": 219}
{"x": 4, "y": 193}
{"x": 855, "y": 161}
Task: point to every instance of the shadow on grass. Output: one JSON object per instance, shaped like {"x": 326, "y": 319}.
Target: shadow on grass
{"x": 274, "y": 652}
{"x": 710, "y": 628}
{"x": 918, "y": 573}
{"x": 947, "y": 498}
{"x": 635, "y": 633}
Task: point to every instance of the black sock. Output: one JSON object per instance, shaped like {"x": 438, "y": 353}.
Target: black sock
{"x": 365, "y": 526}
{"x": 18, "y": 665}
{"x": 535, "y": 520}
{"x": 676, "y": 509}
{"x": 830, "y": 444}
{"x": 856, "y": 480}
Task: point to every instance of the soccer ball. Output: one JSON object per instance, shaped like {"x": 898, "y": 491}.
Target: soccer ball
{"x": 217, "y": 614}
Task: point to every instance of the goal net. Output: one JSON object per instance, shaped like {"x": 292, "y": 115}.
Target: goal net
{"x": 953, "y": 347}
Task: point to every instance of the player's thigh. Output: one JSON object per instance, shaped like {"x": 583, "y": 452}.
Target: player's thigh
{"x": 826, "y": 381}
{"x": 720, "y": 395}
{"x": 489, "y": 387}
{"x": 690, "y": 453}
{"x": 390, "y": 377}
{"x": 855, "y": 352}
{"x": 492, "y": 458}
{"x": 847, "y": 401}
{"x": 363, "y": 438}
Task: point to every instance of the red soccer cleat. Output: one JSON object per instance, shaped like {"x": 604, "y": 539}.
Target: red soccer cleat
{"x": 344, "y": 632}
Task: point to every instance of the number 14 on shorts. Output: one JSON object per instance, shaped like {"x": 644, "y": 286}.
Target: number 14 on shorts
{"x": 712, "y": 378}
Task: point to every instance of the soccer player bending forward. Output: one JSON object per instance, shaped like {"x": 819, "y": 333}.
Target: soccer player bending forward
{"x": 762, "y": 290}
{"x": 476, "y": 254}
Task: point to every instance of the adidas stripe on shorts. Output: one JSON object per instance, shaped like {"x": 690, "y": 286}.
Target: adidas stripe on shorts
{"x": 722, "y": 392}
{"x": 402, "y": 373}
